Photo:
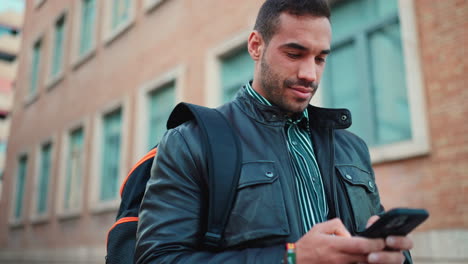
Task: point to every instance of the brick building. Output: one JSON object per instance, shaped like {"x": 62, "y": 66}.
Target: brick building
{"x": 10, "y": 26}
{"x": 97, "y": 79}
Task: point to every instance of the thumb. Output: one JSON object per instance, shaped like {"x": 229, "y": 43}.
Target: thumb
{"x": 372, "y": 220}
{"x": 334, "y": 227}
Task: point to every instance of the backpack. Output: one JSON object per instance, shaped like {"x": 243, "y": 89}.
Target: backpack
{"x": 223, "y": 156}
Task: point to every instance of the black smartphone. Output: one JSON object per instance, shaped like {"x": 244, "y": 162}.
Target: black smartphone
{"x": 396, "y": 222}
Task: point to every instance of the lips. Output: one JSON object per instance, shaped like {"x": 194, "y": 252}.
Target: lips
{"x": 301, "y": 92}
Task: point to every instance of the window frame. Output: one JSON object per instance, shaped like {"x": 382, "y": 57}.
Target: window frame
{"x": 32, "y": 95}
{"x": 53, "y": 80}
{"x": 37, "y": 217}
{"x": 18, "y": 221}
{"x": 176, "y": 75}
{"x": 213, "y": 94}
{"x": 98, "y": 206}
{"x": 63, "y": 213}
{"x": 110, "y": 34}
{"x": 419, "y": 143}
{"x": 78, "y": 58}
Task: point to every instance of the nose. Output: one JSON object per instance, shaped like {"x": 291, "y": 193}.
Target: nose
{"x": 308, "y": 71}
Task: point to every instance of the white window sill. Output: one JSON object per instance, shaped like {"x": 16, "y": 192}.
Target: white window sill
{"x": 399, "y": 151}
{"x": 40, "y": 219}
{"x": 105, "y": 207}
{"x": 54, "y": 81}
{"x": 151, "y": 5}
{"x": 83, "y": 58}
{"x": 16, "y": 223}
{"x": 31, "y": 99}
{"x": 119, "y": 30}
{"x": 38, "y": 3}
{"x": 69, "y": 214}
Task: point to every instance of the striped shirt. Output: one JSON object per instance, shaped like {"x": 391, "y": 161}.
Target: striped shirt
{"x": 309, "y": 185}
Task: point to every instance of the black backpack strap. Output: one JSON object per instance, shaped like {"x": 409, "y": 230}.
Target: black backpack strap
{"x": 224, "y": 157}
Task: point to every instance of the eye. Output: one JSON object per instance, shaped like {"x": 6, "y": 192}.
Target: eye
{"x": 293, "y": 55}
{"x": 320, "y": 60}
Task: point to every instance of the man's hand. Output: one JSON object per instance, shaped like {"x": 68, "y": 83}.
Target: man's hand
{"x": 395, "y": 243}
{"x": 330, "y": 242}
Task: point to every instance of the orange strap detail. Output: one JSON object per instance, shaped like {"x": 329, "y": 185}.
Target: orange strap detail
{"x": 121, "y": 221}
{"x": 148, "y": 156}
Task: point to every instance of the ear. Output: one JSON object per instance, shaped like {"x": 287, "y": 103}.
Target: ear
{"x": 255, "y": 45}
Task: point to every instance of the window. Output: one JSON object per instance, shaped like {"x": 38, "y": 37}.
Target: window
{"x": 236, "y": 70}
{"x": 88, "y": 20}
{"x": 20, "y": 187}
{"x": 366, "y": 71}
{"x": 44, "y": 179}
{"x": 120, "y": 13}
{"x": 36, "y": 59}
{"x": 74, "y": 168}
{"x": 58, "y": 51}
{"x": 161, "y": 101}
{"x": 110, "y": 155}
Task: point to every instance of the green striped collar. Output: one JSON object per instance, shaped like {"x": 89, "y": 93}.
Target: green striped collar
{"x": 264, "y": 101}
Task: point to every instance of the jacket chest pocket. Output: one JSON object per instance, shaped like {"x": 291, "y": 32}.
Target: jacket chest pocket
{"x": 259, "y": 210}
{"x": 361, "y": 192}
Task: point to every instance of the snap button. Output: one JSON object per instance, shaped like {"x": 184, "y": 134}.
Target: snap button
{"x": 344, "y": 117}
{"x": 269, "y": 174}
{"x": 348, "y": 177}
{"x": 371, "y": 184}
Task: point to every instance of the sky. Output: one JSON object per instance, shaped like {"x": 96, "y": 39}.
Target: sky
{"x": 16, "y": 5}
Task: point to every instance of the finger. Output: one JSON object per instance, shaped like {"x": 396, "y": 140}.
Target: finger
{"x": 399, "y": 242}
{"x": 333, "y": 227}
{"x": 384, "y": 257}
{"x": 372, "y": 220}
{"x": 356, "y": 245}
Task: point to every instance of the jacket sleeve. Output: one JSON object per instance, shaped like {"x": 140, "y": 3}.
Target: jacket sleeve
{"x": 172, "y": 213}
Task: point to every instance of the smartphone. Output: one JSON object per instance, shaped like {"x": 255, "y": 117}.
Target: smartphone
{"x": 396, "y": 222}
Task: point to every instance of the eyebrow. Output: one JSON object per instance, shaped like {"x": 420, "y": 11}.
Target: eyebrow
{"x": 293, "y": 45}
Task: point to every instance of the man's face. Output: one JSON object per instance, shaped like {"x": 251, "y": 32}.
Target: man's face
{"x": 290, "y": 67}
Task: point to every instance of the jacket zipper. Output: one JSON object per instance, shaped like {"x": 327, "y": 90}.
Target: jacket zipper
{"x": 333, "y": 174}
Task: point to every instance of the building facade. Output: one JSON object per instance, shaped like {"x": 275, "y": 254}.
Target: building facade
{"x": 10, "y": 39}
{"x": 98, "y": 78}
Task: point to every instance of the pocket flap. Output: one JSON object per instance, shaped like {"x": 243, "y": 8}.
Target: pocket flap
{"x": 357, "y": 176}
{"x": 258, "y": 172}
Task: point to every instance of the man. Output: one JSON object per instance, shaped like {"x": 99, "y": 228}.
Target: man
{"x": 304, "y": 179}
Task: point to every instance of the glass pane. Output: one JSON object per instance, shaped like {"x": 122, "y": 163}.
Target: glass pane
{"x": 20, "y": 185}
{"x": 391, "y": 99}
{"x": 73, "y": 179}
{"x": 58, "y": 47}
{"x": 111, "y": 156}
{"x": 342, "y": 86}
{"x": 352, "y": 15}
{"x": 43, "y": 186}
{"x": 120, "y": 12}
{"x": 236, "y": 70}
{"x": 161, "y": 103}
{"x": 35, "y": 67}
{"x": 87, "y": 25}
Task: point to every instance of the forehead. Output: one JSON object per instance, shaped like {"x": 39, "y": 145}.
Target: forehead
{"x": 308, "y": 31}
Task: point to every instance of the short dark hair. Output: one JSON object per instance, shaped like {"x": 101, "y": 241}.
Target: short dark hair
{"x": 268, "y": 17}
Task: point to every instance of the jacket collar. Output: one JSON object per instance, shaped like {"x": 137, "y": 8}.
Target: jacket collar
{"x": 273, "y": 115}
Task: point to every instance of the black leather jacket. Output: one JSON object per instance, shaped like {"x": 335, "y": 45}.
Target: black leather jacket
{"x": 265, "y": 214}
